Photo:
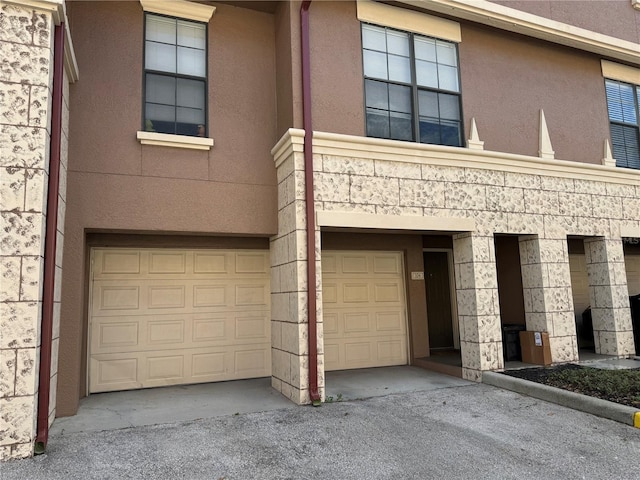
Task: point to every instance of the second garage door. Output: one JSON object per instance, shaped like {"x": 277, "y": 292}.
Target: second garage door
{"x": 364, "y": 313}
{"x": 168, "y": 316}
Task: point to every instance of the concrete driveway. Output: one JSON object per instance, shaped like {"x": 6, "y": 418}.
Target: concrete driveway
{"x": 456, "y": 431}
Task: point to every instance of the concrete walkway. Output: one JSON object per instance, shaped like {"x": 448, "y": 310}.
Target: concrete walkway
{"x": 472, "y": 431}
{"x": 112, "y": 411}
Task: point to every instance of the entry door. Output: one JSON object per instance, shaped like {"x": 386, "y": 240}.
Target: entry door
{"x": 439, "y": 312}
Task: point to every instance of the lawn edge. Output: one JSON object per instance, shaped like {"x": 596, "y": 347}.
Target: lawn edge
{"x": 576, "y": 401}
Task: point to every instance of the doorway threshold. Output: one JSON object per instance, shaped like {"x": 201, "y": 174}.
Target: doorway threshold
{"x": 448, "y": 362}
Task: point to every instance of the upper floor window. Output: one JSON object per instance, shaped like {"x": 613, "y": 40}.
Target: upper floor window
{"x": 412, "y": 87}
{"x": 175, "y": 76}
{"x": 622, "y": 101}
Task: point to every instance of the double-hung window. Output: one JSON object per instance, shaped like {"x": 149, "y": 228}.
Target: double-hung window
{"x": 412, "y": 87}
{"x": 175, "y": 76}
{"x": 622, "y": 102}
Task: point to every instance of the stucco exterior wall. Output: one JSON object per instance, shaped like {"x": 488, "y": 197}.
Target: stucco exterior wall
{"x": 616, "y": 18}
{"x": 506, "y": 79}
{"x": 26, "y": 77}
{"x": 117, "y": 184}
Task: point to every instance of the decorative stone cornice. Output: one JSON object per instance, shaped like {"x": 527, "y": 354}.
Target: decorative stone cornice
{"x": 512, "y": 20}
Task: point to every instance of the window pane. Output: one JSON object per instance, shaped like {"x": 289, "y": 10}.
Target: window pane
{"x": 429, "y": 130}
{"x": 400, "y": 126}
{"x": 160, "y": 113}
{"x": 375, "y": 64}
{"x": 446, "y": 53}
{"x": 399, "y": 69}
{"x": 191, "y": 116}
{"x": 449, "y": 106}
{"x": 376, "y": 94}
{"x": 398, "y": 43}
{"x": 192, "y": 35}
{"x": 377, "y": 123}
{"x": 190, "y": 94}
{"x": 613, "y": 100}
{"x": 426, "y": 74}
{"x": 450, "y": 133}
{"x": 161, "y": 89}
{"x": 428, "y": 104}
{"x": 448, "y": 78}
{"x": 374, "y": 38}
{"x": 400, "y": 98}
{"x": 160, "y": 57}
{"x": 425, "y": 49}
{"x": 626, "y": 149}
{"x": 160, "y": 29}
{"x": 191, "y": 62}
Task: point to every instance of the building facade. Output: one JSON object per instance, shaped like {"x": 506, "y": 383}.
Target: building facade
{"x": 251, "y": 189}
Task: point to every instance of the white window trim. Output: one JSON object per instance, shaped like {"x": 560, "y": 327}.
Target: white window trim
{"x": 622, "y": 73}
{"x": 180, "y": 8}
{"x": 177, "y": 141}
{"x": 408, "y": 20}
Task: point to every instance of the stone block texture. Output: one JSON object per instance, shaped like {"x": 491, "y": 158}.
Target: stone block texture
{"x": 542, "y": 209}
{"x": 26, "y": 81}
{"x": 289, "y": 286}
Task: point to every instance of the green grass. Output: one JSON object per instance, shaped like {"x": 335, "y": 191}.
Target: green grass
{"x": 620, "y": 386}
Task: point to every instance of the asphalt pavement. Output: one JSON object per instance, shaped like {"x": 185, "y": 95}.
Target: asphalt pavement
{"x": 473, "y": 431}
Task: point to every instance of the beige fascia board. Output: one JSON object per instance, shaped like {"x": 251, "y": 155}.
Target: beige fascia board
{"x": 393, "y": 150}
{"x": 292, "y": 141}
{"x": 176, "y": 141}
{"x": 409, "y": 20}
{"x": 58, "y": 12}
{"x": 513, "y": 20}
{"x": 334, "y": 219}
{"x": 623, "y": 73}
{"x": 180, "y": 8}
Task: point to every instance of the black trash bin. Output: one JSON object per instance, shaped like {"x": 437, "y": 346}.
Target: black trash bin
{"x": 511, "y": 342}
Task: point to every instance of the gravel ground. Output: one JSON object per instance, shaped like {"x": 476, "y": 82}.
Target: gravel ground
{"x": 474, "y": 431}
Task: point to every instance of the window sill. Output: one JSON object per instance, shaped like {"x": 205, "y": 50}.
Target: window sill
{"x": 176, "y": 141}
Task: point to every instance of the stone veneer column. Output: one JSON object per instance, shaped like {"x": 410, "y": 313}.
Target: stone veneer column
{"x": 548, "y": 304}
{"x": 609, "y": 296}
{"x": 478, "y": 305}
{"x": 289, "y": 293}
{"x": 26, "y": 56}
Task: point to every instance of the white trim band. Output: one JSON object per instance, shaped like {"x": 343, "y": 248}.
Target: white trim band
{"x": 177, "y": 141}
{"x": 393, "y": 222}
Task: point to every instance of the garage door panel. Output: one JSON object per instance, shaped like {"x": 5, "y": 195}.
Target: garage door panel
{"x": 170, "y": 296}
{"x": 632, "y": 266}
{"x": 163, "y": 262}
{"x": 186, "y": 316}
{"x": 113, "y": 297}
{"x": 387, "y": 292}
{"x": 365, "y": 324}
{"x": 210, "y": 296}
{"x": 210, "y": 263}
{"x": 355, "y": 292}
{"x": 356, "y": 323}
{"x": 118, "y": 263}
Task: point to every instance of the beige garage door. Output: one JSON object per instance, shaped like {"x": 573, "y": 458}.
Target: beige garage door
{"x": 167, "y": 316}
{"x": 364, "y": 314}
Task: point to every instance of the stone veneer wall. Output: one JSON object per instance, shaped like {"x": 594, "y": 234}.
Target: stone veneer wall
{"x": 289, "y": 292}
{"x": 542, "y": 201}
{"x": 26, "y": 77}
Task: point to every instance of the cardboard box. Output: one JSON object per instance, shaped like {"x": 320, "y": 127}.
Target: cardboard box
{"x": 535, "y": 348}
